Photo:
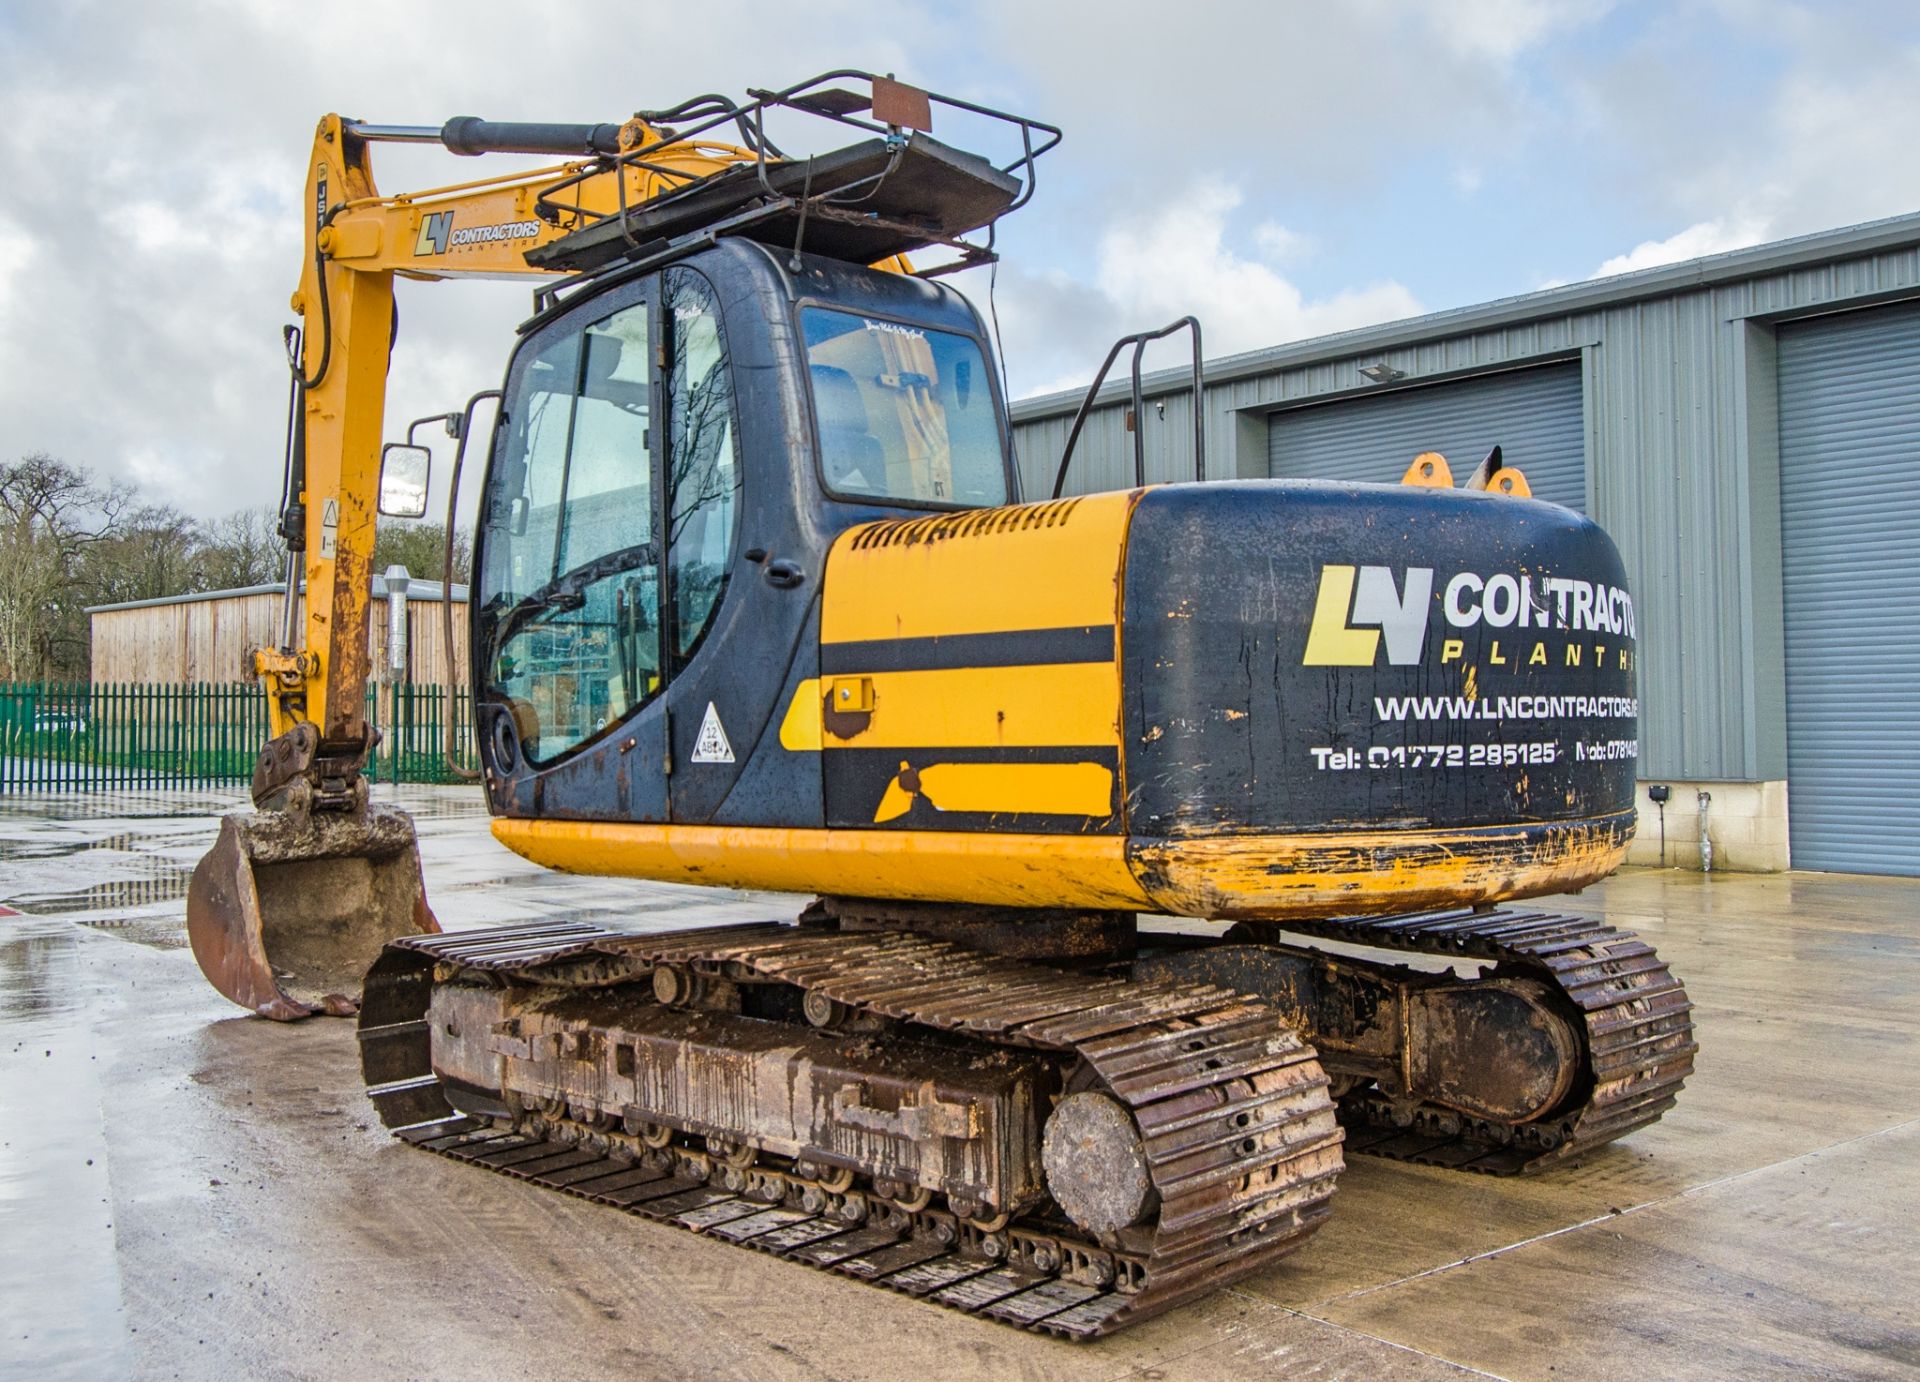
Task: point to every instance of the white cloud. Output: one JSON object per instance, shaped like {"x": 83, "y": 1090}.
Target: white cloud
{"x": 16, "y": 259}
{"x": 1177, "y": 262}
{"x": 1811, "y": 127}
{"x": 161, "y": 149}
{"x": 1827, "y": 144}
{"x": 1163, "y": 264}
{"x": 1330, "y": 92}
{"x": 1503, "y": 29}
{"x": 1697, "y": 240}
{"x": 1281, "y": 245}
{"x": 148, "y": 226}
{"x": 1839, "y": 143}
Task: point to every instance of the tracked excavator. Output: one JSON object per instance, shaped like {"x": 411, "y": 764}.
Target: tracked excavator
{"x": 1076, "y": 783}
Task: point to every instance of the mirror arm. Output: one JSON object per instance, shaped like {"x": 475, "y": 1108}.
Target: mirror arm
{"x": 452, "y": 422}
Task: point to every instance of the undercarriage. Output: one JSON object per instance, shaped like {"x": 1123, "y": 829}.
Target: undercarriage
{"x": 1061, "y": 1120}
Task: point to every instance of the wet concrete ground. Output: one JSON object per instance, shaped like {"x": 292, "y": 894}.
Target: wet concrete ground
{"x": 189, "y": 1192}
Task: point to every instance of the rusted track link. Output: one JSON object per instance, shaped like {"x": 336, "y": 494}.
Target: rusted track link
{"x": 1240, "y": 1139}
{"x": 1636, "y": 1024}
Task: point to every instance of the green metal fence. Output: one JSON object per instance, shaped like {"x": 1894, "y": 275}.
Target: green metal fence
{"x": 81, "y": 737}
{"x": 412, "y": 721}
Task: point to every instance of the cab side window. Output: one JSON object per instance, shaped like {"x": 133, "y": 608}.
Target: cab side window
{"x": 703, "y": 469}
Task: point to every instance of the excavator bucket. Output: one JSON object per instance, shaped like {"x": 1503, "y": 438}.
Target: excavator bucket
{"x": 288, "y": 910}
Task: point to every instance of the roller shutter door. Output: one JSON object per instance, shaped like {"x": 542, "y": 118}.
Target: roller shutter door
{"x": 1850, "y": 536}
{"x": 1533, "y": 415}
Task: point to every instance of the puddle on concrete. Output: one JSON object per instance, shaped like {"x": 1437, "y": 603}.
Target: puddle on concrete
{"x": 56, "y": 872}
{"x": 159, "y": 881}
{"x": 161, "y": 933}
{"x": 122, "y": 806}
{"x": 66, "y": 848}
{"x": 59, "y": 1271}
{"x": 439, "y": 807}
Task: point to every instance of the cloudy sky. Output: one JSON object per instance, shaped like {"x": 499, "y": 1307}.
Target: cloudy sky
{"x": 1282, "y": 169}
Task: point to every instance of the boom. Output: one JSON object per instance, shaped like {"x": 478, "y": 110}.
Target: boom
{"x": 357, "y": 241}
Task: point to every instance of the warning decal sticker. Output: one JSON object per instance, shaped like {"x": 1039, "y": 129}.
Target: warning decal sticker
{"x": 712, "y": 745}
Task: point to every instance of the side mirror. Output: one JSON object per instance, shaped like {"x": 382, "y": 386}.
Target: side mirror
{"x": 403, "y": 479}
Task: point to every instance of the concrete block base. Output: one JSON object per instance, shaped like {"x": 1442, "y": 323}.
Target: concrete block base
{"x": 1747, "y": 822}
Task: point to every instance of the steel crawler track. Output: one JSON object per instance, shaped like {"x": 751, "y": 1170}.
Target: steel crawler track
{"x": 1242, "y": 1147}
{"x": 1241, "y": 1143}
{"x": 1636, "y": 1024}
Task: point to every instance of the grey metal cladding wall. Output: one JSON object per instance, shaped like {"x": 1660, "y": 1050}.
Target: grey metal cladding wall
{"x": 1534, "y": 415}
{"x": 1679, "y": 460}
{"x": 1103, "y": 457}
{"x": 1665, "y": 482}
{"x": 1850, "y": 530}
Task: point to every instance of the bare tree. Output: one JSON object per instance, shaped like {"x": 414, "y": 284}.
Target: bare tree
{"x": 67, "y": 542}
{"x": 242, "y": 549}
{"x": 51, "y": 515}
{"x": 154, "y": 553}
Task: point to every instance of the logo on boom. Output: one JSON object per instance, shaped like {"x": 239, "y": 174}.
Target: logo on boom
{"x": 437, "y": 234}
{"x": 436, "y": 229}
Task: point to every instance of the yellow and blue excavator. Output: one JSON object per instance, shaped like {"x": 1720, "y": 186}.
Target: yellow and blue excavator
{"x": 757, "y": 603}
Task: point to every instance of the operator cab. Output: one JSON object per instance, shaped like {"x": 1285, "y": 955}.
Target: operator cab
{"x": 673, "y": 458}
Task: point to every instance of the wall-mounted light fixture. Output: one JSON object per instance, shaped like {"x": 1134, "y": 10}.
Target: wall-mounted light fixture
{"x": 1382, "y": 373}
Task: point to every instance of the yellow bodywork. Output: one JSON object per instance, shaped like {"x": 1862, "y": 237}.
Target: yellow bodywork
{"x": 907, "y": 590}
{"x": 934, "y": 866}
{"x": 1054, "y": 789}
{"x": 1071, "y": 703}
{"x": 1054, "y": 565}
{"x": 896, "y": 589}
{"x": 1270, "y": 877}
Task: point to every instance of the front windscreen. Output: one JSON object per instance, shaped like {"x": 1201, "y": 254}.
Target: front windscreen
{"x": 905, "y": 412}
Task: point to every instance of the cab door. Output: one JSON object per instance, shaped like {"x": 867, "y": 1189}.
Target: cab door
{"x": 567, "y": 642}
{"x": 719, "y": 692}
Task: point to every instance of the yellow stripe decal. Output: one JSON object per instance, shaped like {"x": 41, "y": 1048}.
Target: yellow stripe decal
{"x": 1062, "y": 705}
{"x": 1050, "y": 705}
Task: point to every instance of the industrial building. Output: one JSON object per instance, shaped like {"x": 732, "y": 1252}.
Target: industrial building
{"x": 209, "y": 636}
{"x": 1744, "y": 425}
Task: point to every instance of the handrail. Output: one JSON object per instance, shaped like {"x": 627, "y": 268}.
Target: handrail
{"x": 451, "y": 680}
{"x": 1139, "y": 341}
{"x": 710, "y": 113}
